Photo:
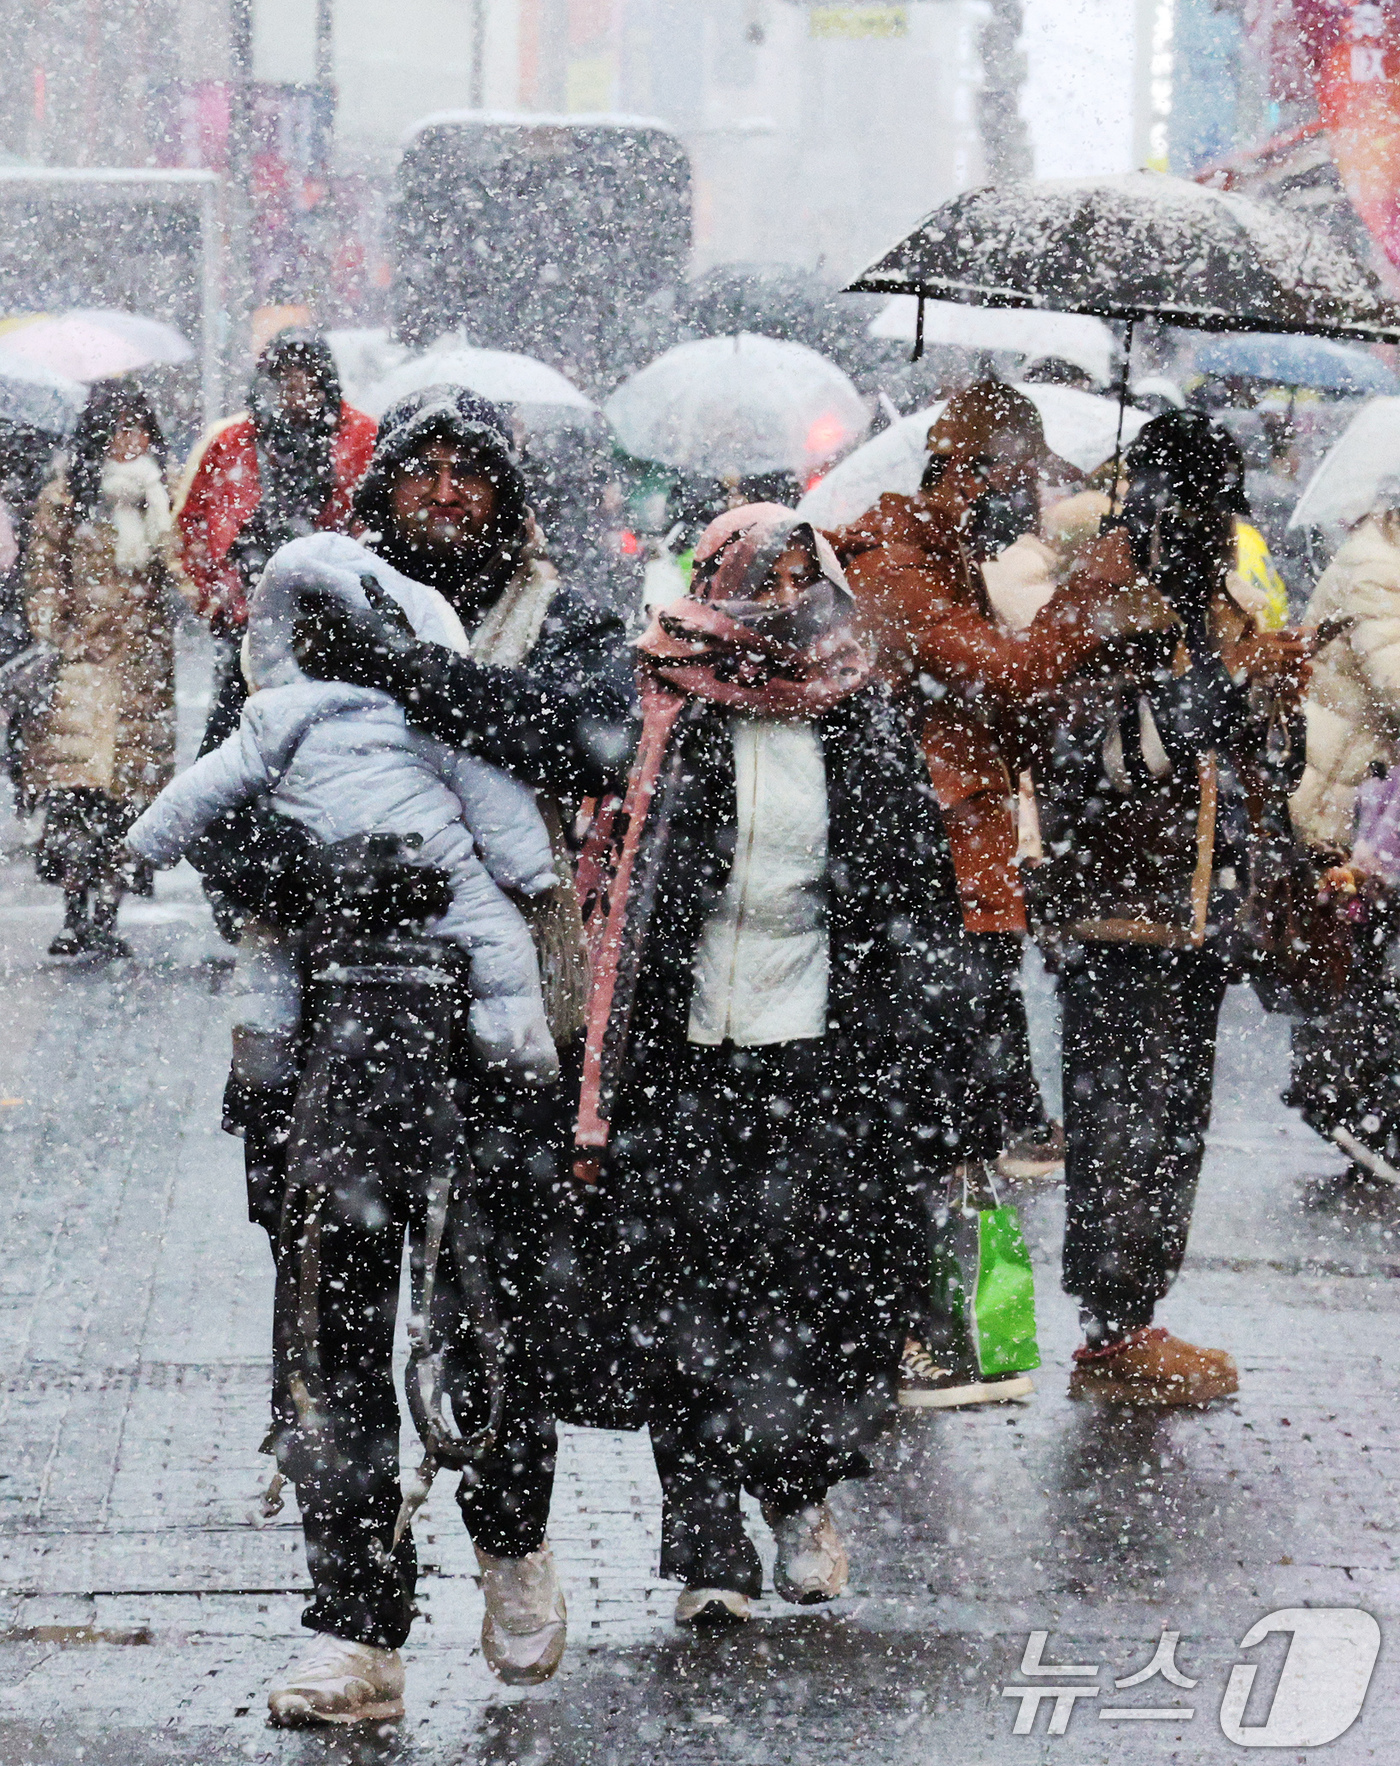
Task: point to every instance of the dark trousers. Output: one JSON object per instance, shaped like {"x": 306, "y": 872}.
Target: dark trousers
{"x": 1139, "y": 1063}
{"x": 1003, "y": 1035}
{"x": 775, "y": 1318}
{"x": 342, "y": 1451}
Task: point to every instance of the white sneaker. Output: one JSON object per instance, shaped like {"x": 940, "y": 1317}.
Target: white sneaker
{"x": 337, "y": 1681}
{"x": 526, "y": 1624}
{"x": 711, "y": 1606}
{"x": 812, "y": 1564}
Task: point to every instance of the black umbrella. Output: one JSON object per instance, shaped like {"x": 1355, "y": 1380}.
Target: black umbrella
{"x": 1139, "y": 246}
{"x": 1135, "y": 247}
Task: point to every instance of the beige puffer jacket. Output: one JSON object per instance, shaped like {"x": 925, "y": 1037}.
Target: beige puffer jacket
{"x": 111, "y": 723}
{"x": 1353, "y": 703}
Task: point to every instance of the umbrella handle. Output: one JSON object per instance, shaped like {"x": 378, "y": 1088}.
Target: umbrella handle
{"x": 1122, "y": 406}
{"x": 918, "y": 332}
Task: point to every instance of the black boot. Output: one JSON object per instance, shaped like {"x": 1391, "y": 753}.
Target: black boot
{"x": 102, "y": 940}
{"x": 76, "y": 930}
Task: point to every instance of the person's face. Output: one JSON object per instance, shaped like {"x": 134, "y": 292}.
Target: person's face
{"x": 795, "y": 571}
{"x": 1011, "y": 463}
{"x": 129, "y": 442}
{"x": 442, "y": 499}
{"x": 299, "y": 395}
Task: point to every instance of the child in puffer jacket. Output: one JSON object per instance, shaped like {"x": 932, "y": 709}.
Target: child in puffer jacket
{"x": 343, "y": 761}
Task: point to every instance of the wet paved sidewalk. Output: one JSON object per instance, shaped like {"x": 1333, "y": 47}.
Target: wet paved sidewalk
{"x": 143, "y": 1611}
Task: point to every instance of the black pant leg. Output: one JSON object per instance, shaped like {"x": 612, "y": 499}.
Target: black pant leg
{"x": 703, "y": 1540}
{"x": 341, "y": 1445}
{"x": 1139, "y": 1054}
{"x": 1003, "y": 1033}
{"x": 516, "y": 1139}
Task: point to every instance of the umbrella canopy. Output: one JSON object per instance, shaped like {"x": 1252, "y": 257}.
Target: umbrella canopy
{"x": 738, "y": 405}
{"x": 1079, "y": 426}
{"x": 1362, "y": 462}
{"x": 1143, "y": 245}
{"x": 35, "y": 396}
{"x": 94, "y": 343}
{"x": 363, "y": 356}
{"x": 499, "y": 375}
{"x": 1075, "y": 337}
{"x": 1294, "y": 361}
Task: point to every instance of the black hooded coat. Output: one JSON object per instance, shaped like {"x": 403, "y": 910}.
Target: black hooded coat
{"x": 561, "y": 722}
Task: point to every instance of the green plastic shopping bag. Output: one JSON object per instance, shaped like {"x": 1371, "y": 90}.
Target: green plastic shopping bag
{"x": 981, "y": 1283}
{"x": 1003, "y": 1296}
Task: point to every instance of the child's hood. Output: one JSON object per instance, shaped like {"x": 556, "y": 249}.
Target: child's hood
{"x": 332, "y": 564}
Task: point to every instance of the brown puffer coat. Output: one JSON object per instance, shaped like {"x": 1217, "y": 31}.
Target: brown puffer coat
{"x": 923, "y": 600}
{"x": 111, "y": 724}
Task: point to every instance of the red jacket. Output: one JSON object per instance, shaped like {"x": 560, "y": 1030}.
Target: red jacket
{"x": 220, "y": 490}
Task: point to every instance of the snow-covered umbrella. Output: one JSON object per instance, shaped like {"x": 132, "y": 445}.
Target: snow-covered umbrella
{"x": 1080, "y": 427}
{"x": 363, "y": 356}
{"x": 499, "y": 375}
{"x": 95, "y": 343}
{"x": 1073, "y": 337}
{"x": 1362, "y": 463}
{"x": 1142, "y": 245}
{"x": 740, "y": 405}
{"x": 1139, "y": 246}
{"x": 35, "y": 396}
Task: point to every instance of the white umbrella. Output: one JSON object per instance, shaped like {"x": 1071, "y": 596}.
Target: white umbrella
{"x": 1079, "y": 427}
{"x": 363, "y": 356}
{"x": 1022, "y": 331}
{"x": 1348, "y": 483}
{"x": 499, "y": 375}
{"x": 96, "y": 343}
{"x": 35, "y": 396}
{"x": 738, "y": 405}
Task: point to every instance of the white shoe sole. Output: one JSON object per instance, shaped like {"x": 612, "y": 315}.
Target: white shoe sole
{"x": 305, "y": 1716}
{"x": 1378, "y": 1167}
{"x": 809, "y": 1594}
{"x": 978, "y": 1392}
{"x": 547, "y": 1645}
{"x": 712, "y": 1606}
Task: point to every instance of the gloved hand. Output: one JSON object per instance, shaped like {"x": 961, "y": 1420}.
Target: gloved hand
{"x": 367, "y": 879}
{"x": 509, "y": 1032}
{"x": 368, "y": 647}
{"x": 270, "y": 868}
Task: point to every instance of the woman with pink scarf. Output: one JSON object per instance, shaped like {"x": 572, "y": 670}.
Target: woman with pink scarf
{"x": 775, "y": 1066}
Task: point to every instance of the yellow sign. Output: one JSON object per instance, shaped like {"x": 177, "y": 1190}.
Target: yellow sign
{"x": 858, "y": 21}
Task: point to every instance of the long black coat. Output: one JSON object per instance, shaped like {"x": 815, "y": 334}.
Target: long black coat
{"x": 763, "y": 1275}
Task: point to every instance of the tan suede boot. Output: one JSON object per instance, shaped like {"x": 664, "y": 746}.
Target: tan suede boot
{"x": 1151, "y": 1366}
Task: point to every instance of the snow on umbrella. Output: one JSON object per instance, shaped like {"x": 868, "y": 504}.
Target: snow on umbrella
{"x": 1074, "y": 337}
{"x": 1294, "y": 361}
{"x": 499, "y": 375}
{"x": 1143, "y": 245}
{"x": 1079, "y": 426}
{"x": 95, "y": 343}
{"x": 1359, "y": 471}
{"x": 36, "y": 396}
{"x": 363, "y": 356}
{"x": 738, "y": 406}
